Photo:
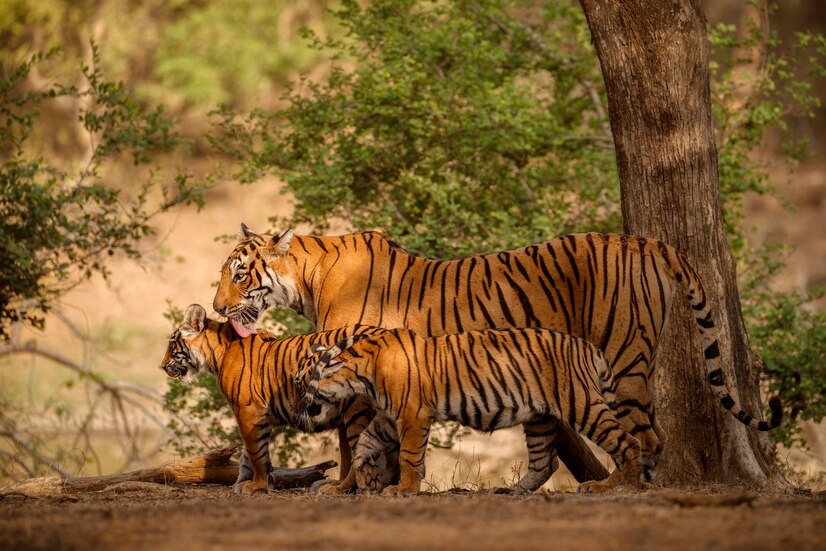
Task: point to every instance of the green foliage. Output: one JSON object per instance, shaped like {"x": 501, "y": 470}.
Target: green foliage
{"x": 233, "y": 51}
{"x": 758, "y": 84}
{"x": 791, "y": 341}
{"x": 202, "y": 402}
{"x": 463, "y": 127}
{"x": 58, "y": 226}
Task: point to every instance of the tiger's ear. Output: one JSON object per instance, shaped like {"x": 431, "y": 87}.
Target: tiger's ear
{"x": 316, "y": 348}
{"x": 194, "y": 321}
{"x": 244, "y": 232}
{"x": 329, "y": 369}
{"x": 279, "y": 244}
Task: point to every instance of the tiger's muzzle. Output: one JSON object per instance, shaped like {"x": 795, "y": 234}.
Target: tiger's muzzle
{"x": 175, "y": 370}
{"x": 306, "y": 407}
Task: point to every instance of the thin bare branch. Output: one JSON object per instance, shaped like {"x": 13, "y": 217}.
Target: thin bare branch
{"x": 23, "y": 444}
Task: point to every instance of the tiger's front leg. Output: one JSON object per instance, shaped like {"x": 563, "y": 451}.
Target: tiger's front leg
{"x": 540, "y": 437}
{"x": 255, "y": 428}
{"x": 413, "y": 435}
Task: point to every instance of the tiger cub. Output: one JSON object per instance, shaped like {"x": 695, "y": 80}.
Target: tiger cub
{"x": 486, "y": 380}
{"x": 256, "y": 375}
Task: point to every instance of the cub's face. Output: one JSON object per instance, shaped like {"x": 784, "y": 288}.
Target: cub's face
{"x": 255, "y": 278}
{"x": 179, "y": 361}
{"x": 183, "y": 358}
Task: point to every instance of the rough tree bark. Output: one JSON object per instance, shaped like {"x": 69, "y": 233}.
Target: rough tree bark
{"x": 654, "y": 60}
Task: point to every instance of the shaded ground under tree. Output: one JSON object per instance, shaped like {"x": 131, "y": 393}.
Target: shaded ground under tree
{"x": 156, "y": 517}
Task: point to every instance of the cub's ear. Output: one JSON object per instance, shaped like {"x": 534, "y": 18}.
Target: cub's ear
{"x": 244, "y": 232}
{"x": 279, "y": 244}
{"x": 329, "y": 369}
{"x": 194, "y": 321}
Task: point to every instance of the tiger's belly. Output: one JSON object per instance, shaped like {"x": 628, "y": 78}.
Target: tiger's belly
{"x": 474, "y": 413}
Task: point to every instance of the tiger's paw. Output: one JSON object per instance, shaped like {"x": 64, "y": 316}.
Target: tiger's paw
{"x": 603, "y": 486}
{"x": 329, "y": 487}
{"x": 595, "y": 487}
{"x": 398, "y": 491}
{"x": 370, "y": 475}
{"x": 249, "y": 487}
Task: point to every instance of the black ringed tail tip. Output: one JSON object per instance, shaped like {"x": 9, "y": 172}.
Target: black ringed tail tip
{"x": 776, "y": 407}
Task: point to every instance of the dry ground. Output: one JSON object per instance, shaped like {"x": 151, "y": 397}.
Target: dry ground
{"x": 211, "y": 517}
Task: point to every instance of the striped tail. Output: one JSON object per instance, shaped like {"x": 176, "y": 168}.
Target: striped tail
{"x": 703, "y": 314}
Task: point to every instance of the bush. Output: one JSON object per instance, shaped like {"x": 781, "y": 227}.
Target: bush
{"x": 758, "y": 84}
{"x": 464, "y": 127}
{"x": 58, "y": 226}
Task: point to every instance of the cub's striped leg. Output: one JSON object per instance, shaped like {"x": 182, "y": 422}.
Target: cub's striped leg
{"x": 540, "y": 437}
{"x": 357, "y": 417}
{"x": 244, "y": 468}
{"x": 255, "y": 427}
{"x": 376, "y": 457}
{"x": 602, "y": 428}
{"x": 413, "y": 436}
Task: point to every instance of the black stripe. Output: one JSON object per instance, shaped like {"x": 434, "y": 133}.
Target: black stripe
{"x": 713, "y": 351}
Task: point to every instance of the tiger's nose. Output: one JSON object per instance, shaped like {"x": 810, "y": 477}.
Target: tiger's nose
{"x": 219, "y": 306}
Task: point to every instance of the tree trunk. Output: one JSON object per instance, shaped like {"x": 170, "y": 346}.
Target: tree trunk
{"x": 654, "y": 59}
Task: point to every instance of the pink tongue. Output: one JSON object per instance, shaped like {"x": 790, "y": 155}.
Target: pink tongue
{"x": 242, "y": 331}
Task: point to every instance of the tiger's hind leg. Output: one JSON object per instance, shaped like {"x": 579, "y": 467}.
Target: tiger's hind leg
{"x": 604, "y": 430}
{"x": 650, "y": 463}
{"x": 540, "y": 437}
{"x": 635, "y": 413}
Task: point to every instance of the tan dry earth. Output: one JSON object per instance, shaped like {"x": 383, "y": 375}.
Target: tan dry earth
{"x": 212, "y": 518}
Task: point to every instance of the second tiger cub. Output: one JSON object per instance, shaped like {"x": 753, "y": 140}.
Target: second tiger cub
{"x": 486, "y": 380}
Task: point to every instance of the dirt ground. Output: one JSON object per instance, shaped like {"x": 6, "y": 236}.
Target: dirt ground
{"x": 210, "y": 517}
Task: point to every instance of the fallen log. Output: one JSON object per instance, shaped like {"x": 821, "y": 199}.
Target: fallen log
{"x": 215, "y": 467}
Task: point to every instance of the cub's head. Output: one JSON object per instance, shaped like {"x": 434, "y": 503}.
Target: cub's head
{"x": 189, "y": 348}
{"x": 329, "y": 386}
{"x": 256, "y": 276}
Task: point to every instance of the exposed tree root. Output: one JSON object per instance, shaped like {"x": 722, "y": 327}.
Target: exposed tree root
{"x": 215, "y": 467}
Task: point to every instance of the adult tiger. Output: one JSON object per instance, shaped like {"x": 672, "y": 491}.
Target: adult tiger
{"x": 256, "y": 375}
{"x": 486, "y": 380}
{"x": 613, "y": 290}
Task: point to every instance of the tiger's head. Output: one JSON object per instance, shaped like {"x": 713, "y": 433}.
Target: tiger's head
{"x": 190, "y": 347}
{"x": 258, "y": 275}
{"x": 329, "y": 385}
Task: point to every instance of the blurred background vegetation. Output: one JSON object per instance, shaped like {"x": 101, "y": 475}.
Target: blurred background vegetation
{"x": 459, "y": 127}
